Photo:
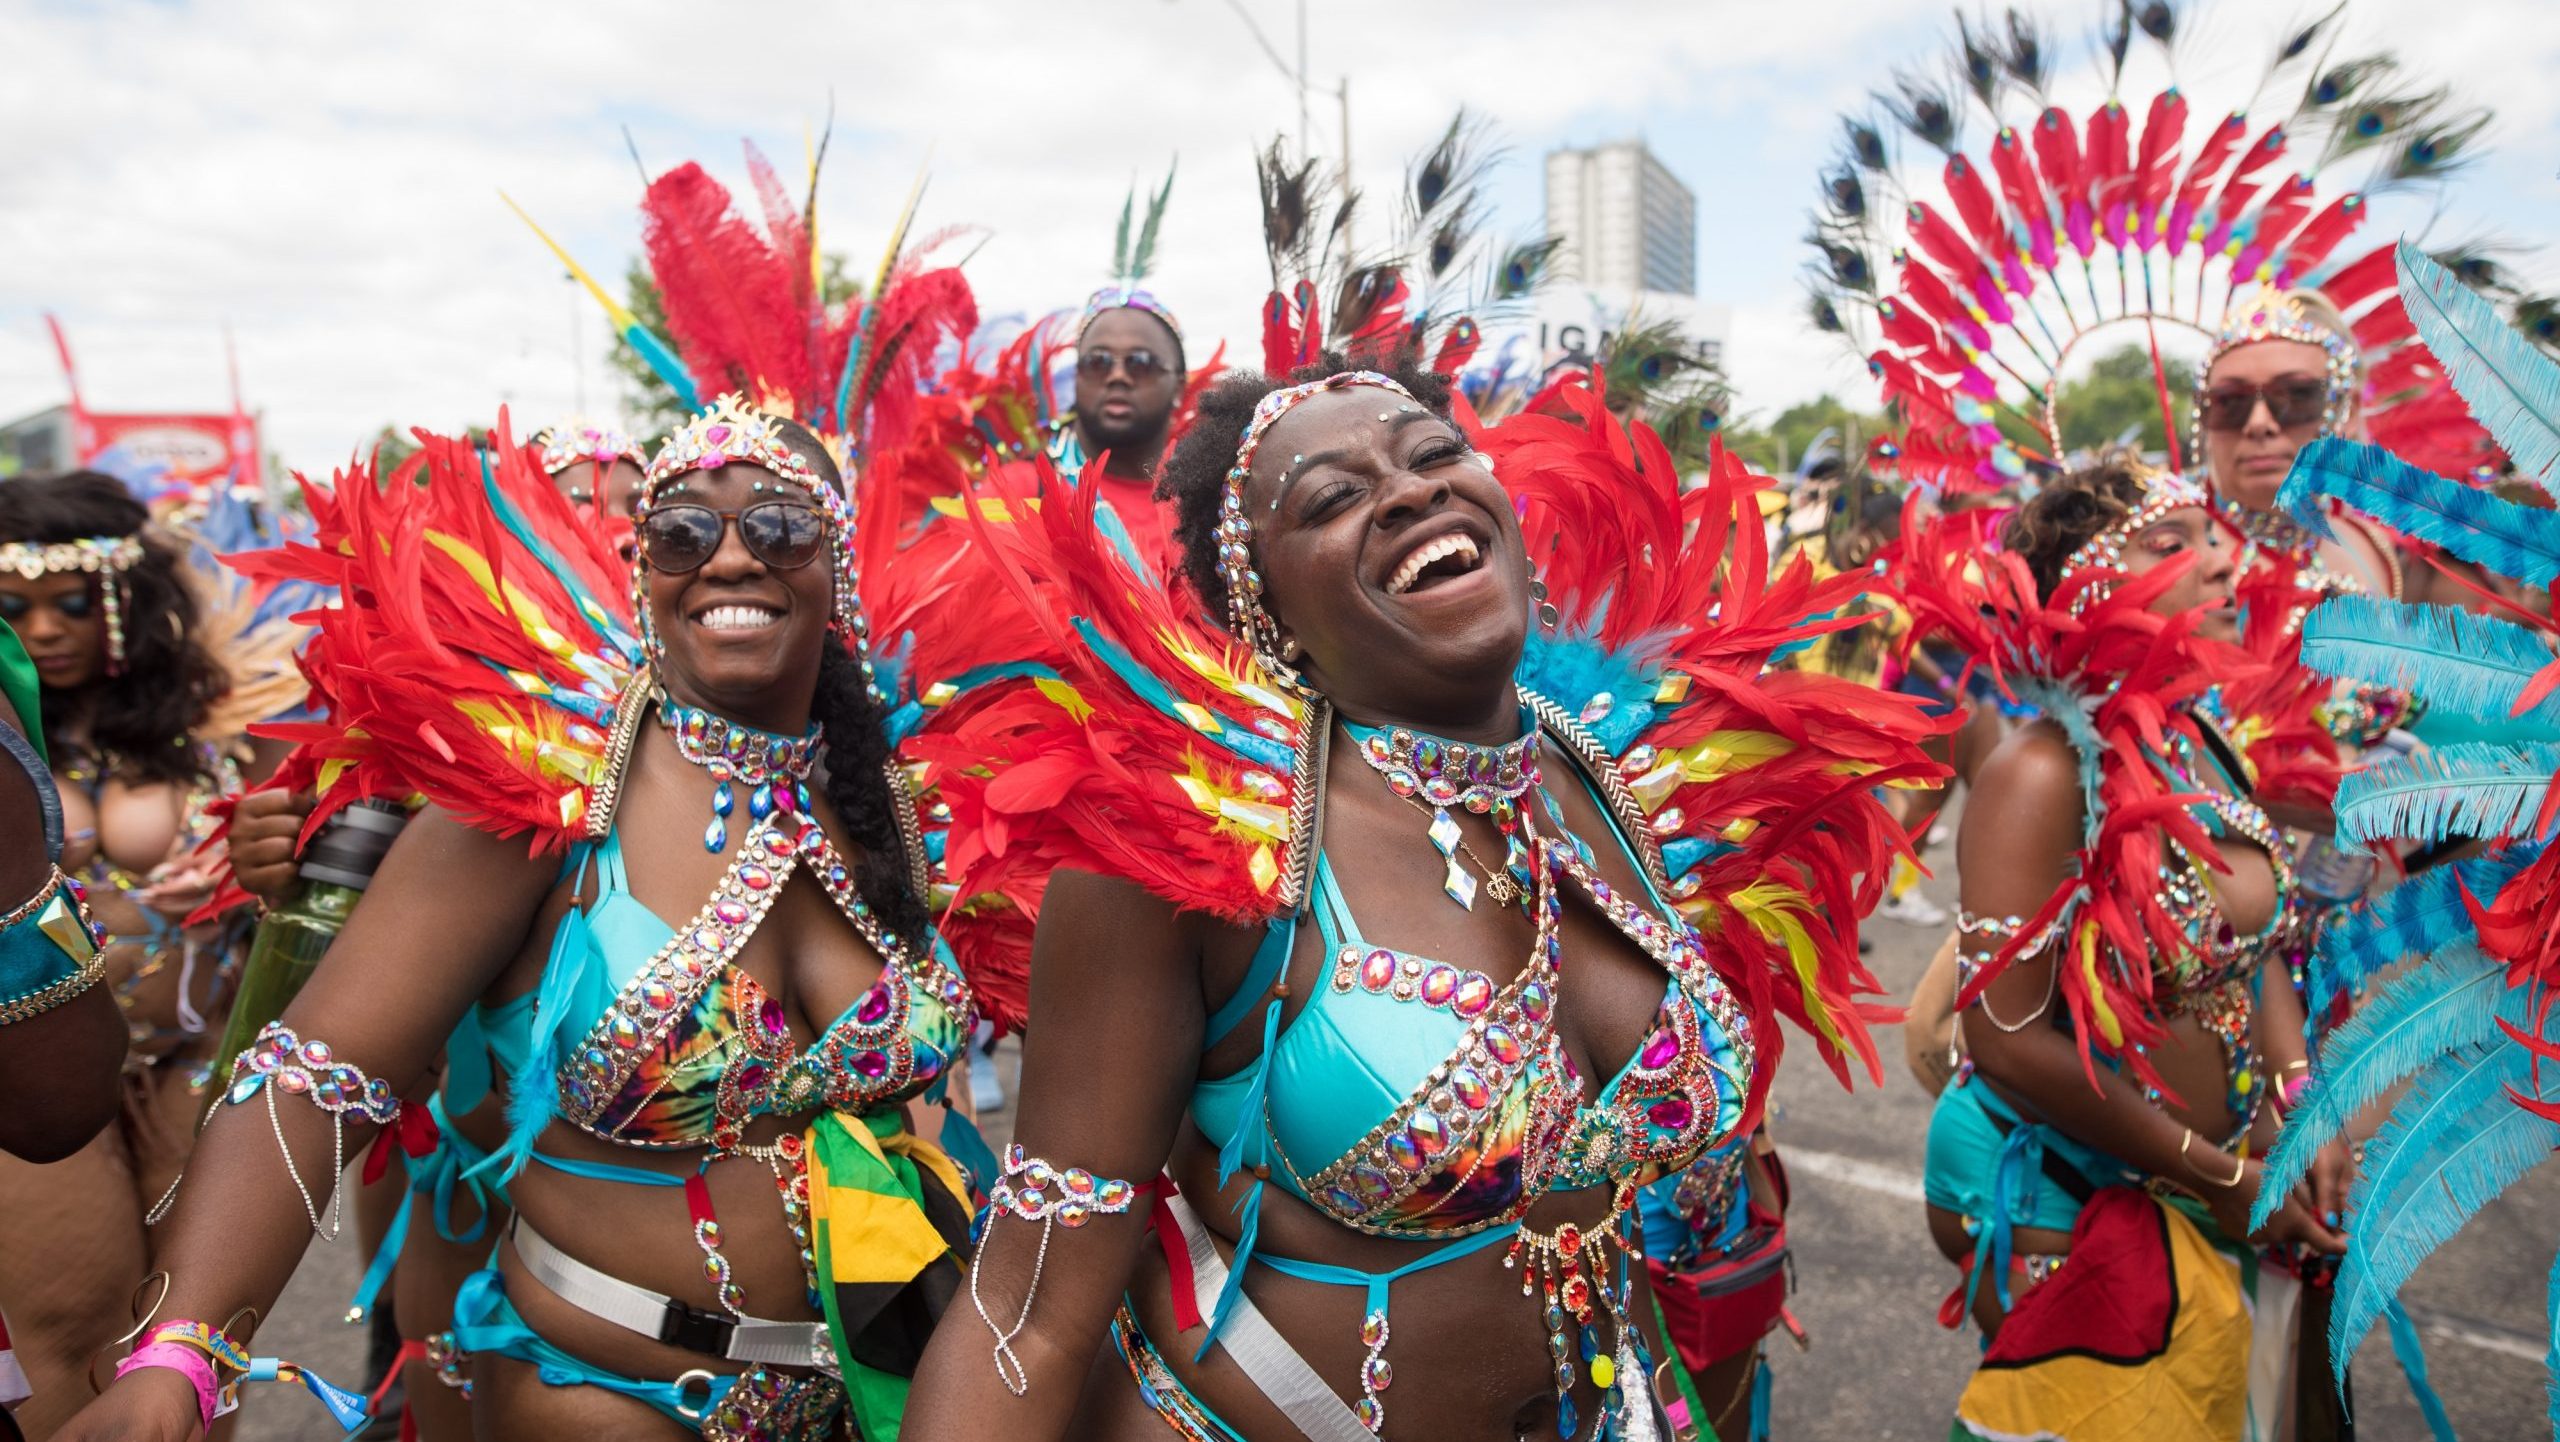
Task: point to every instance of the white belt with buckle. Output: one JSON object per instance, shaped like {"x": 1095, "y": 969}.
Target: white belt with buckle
{"x": 653, "y": 1314}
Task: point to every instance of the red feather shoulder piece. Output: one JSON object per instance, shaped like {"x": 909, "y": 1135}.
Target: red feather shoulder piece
{"x": 1756, "y": 787}
{"x": 1157, "y": 753}
{"x": 480, "y": 649}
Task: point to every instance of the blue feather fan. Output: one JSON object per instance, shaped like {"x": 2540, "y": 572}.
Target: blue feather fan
{"x": 2511, "y": 388}
{"x": 2420, "y": 917}
{"x": 2475, "y": 788}
{"x": 2476, "y": 665}
{"x": 2452, "y": 1003}
{"x": 2509, "y": 539}
{"x": 2456, "y": 1141}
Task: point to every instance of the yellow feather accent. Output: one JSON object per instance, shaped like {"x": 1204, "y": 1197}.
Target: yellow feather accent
{"x": 1068, "y": 699}
{"x": 990, "y": 508}
{"x": 1236, "y": 811}
{"x": 516, "y": 603}
{"x": 2108, "y": 1026}
{"x": 1776, "y": 911}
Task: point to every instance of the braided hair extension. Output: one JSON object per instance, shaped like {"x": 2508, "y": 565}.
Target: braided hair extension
{"x": 1194, "y": 476}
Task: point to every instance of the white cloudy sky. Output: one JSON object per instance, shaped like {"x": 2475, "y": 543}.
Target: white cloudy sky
{"x": 323, "y": 178}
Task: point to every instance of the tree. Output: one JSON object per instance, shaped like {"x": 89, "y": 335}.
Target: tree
{"x": 652, "y": 408}
{"x": 1779, "y": 447}
{"x": 2121, "y": 395}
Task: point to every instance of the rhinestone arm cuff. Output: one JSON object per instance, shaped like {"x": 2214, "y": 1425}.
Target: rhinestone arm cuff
{"x": 1037, "y": 1191}
{"x": 280, "y": 1061}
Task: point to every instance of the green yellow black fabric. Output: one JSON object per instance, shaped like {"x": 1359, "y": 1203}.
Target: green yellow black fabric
{"x": 888, "y": 1217}
{"x": 18, "y": 682}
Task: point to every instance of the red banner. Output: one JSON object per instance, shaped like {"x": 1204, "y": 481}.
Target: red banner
{"x": 194, "y": 451}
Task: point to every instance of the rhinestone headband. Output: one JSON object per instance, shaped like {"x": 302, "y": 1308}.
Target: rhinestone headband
{"x": 1245, "y": 615}
{"x": 2163, "y": 492}
{"x": 90, "y": 554}
{"x": 727, "y": 432}
{"x": 1127, "y": 297}
{"x": 572, "y": 442}
{"x": 107, "y": 557}
{"x": 730, "y": 432}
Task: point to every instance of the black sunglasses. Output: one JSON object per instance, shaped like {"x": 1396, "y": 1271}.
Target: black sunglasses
{"x": 1142, "y": 364}
{"x": 2292, "y": 400}
{"x": 784, "y": 535}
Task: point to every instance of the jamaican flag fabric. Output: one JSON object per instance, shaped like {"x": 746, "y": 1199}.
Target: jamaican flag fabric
{"x": 888, "y": 1223}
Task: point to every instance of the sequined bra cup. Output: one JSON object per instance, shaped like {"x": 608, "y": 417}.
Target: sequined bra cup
{"x": 1415, "y": 1098}
{"x": 685, "y": 1047}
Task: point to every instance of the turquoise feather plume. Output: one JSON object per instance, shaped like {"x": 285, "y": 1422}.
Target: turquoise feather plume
{"x": 1573, "y": 669}
{"x": 2478, "y": 666}
{"x": 2475, "y": 788}
{"x": 2420, "y": 917}
{"x": 1253, "y": 746}
{"x": 2452, "y": 1003}
{"x": 2455, "y": 1142}
{"x": 2512, "y": 388}
{"x": 2509, "y": 539}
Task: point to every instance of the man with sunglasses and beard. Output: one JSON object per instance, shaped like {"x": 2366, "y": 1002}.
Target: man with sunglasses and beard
{"x": 1129, "y": 384}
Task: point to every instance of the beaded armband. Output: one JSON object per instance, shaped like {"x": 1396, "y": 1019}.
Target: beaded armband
{"x": 1036, "y": 1191}
{"x": 49, "y": 950}
{"x": 279, "y": 1061}
{"x": 1997, "y": 933}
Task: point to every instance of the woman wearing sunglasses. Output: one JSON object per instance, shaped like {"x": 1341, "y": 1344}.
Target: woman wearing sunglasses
{"x": 664, "y": 906}
{"x": 2284, "y": 371}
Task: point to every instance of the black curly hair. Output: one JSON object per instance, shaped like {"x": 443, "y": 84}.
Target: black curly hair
{"x": 141, "y": 723}
{"x": 1194, "y": 477}
{"x": 857, "y": 752}
{"x": 2065, "y": 514}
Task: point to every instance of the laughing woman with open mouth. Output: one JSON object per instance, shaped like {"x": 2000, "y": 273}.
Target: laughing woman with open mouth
{"x": 1402, "y": 928}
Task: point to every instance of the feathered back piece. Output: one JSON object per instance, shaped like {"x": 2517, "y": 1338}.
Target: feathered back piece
{"x": 2120, "y": 682}
{"x": 1759, "y": 786}
{"x": 747, "y": 315}
{"x": 2471, "y": 1029}
{"x": 748, "y": 312}
{"x": 1416, "y": 300}
{"x": 1969, "y": 291}
{"x": 479, "y": 648}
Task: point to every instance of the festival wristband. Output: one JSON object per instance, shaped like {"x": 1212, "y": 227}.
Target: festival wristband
{"x": 212, "y": 1400}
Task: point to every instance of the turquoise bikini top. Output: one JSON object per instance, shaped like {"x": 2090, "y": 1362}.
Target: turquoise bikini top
{"x": 1418, "y": 1099}
{"x": 681, "y": 1047}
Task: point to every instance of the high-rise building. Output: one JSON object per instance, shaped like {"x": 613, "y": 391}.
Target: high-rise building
{"x": 1628, "y": 223}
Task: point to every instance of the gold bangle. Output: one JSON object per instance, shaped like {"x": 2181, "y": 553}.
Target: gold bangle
{"x": 2239, "y": 1167}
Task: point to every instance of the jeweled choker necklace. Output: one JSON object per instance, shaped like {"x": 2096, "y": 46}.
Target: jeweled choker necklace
{"x": 776, "y": 767}
{"x": 1430, "y": 771}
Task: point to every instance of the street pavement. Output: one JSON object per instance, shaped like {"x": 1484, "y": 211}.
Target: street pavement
{"x": 1868, "y": 1282}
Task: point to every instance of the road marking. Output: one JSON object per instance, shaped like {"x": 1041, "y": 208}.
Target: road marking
{"x": 2481, "y": 1335}
{"x": 1905, "y": 1185}
{"x": 1831, "y": 1166}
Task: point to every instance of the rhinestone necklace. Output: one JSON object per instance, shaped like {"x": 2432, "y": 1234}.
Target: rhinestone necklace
{"x": 774, "y": 766}
{"x": 1487, "y": 780}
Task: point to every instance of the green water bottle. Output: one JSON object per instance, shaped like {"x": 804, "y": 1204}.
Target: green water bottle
{"x": 336, "y": 868}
